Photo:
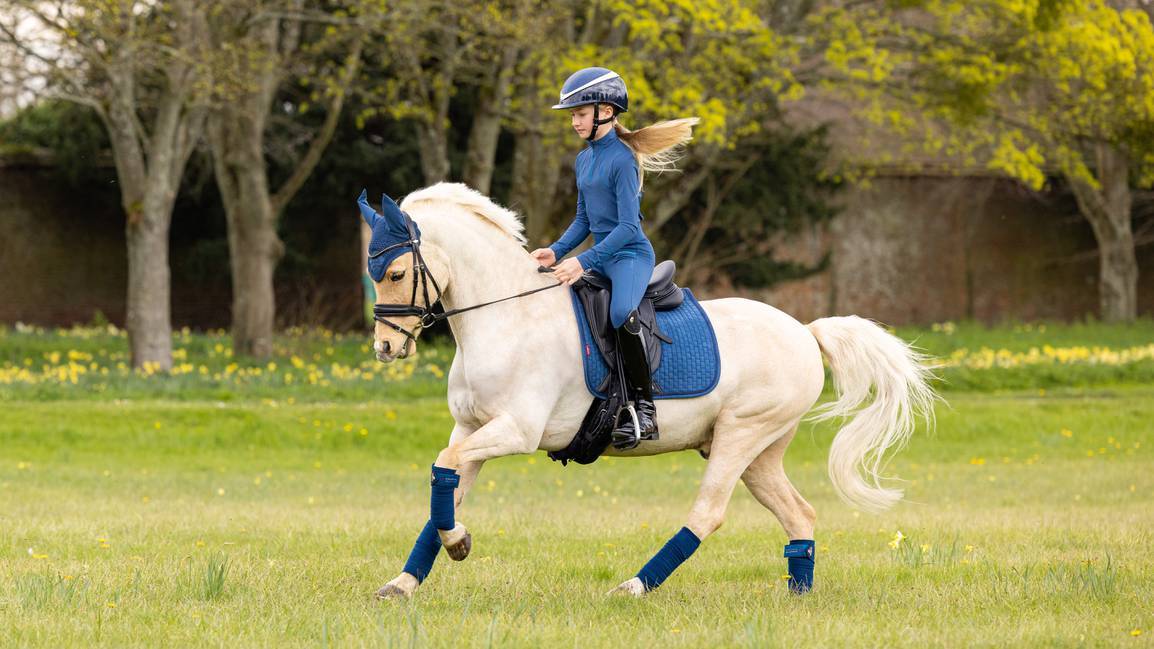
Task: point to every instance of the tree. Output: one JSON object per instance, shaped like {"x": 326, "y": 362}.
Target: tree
{"x": 132, "y": 62}
{"x": 724, "y": 62}
{"x": 770, "y": 185}
{"x": 419, "y": 47}
{"x": 252, "y": 50}
{"x": 1026, "y": 88}
{"x": 426, "y": 51}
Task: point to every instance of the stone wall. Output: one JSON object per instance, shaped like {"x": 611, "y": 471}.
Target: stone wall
{"x": 904, "y": 250}
{"x": 62, "y": 255}
{"x": 63, "y": 258}
{"x": 932, "y": 249}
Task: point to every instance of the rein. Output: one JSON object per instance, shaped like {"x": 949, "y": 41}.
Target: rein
{"x": 422, "y": 276}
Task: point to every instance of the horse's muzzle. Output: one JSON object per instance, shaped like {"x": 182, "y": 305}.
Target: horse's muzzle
{"x": 383, "y": 350}
{"x": 386, "y": 354}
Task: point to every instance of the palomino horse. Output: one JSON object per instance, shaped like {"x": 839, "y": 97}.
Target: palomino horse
{"x": 454, "y": 243}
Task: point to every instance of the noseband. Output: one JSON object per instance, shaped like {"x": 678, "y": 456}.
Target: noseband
{"x": 423, "y": 277}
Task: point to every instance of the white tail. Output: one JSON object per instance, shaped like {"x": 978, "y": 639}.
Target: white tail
{"x": 866, "y": 359}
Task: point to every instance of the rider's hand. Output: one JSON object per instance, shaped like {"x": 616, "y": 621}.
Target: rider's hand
{"x": 569, "y": 271}
{"x": 545, "y": 256}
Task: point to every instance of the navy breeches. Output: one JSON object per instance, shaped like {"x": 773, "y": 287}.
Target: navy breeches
{"x": 630, "y": 276}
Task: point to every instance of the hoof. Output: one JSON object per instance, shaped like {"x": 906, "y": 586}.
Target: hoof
{"x": 459, "y": 550}
{"x": 389, "y": 591}
{"x": 457, "y": 542}
{"x": 633, "y": 588}
{"x": 400, "y": 588}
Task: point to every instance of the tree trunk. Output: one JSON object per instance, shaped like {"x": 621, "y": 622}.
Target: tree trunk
{"x": 433, "y": 130}
{"x": 252, "y": 210}
{"x": 536, "y": 172}
{"x": 151, "y": 130}
{"x": 493, "y": 99}
{"x": 482, "y": 151}
{"x": 254, "y": 251}
{"x": 149, "y": 316}
{"x": 537, "y": 164}
{"x": 253, "y": 246}
{"x": 149, "y": 169}
{"x": 1107, "y": 208}
{"x": 434, "y": 142}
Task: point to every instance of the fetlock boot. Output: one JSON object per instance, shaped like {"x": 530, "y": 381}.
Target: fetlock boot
{"x": 631, "y": 353}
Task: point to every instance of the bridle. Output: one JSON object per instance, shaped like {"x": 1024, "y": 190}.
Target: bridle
{"x": 423, "y": 277}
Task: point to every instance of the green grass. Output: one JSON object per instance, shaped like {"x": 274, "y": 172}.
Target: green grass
{"x": 966, "y": 340}
{"x": 943, "y": 338}
{"x": 318, "y": 366}
{"x": 171, "y": 517}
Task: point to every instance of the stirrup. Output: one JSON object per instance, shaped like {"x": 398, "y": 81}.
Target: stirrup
{"x": 623, "y": 441}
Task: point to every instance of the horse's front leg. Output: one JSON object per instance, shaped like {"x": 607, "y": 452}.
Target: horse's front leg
{"x": 453, "y": 474}
{"x": 500, "y": 437}
{"x": 428, "y": 545}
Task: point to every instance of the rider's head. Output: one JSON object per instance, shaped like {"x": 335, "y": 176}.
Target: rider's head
{"x": 583, "y": 117}
{"x": 594, "y": 98}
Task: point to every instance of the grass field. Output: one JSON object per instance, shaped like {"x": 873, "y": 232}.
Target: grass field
{"x": 228, "y": 507}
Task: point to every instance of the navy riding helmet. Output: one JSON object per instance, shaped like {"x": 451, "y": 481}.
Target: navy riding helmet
{"x": 594, "y": 86}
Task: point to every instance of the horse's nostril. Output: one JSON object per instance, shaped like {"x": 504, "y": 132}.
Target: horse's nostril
{"x": 385, "y": 347}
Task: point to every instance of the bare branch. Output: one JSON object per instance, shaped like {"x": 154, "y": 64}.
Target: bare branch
{"x": 68, "y": 32}
{"x": 325, "y": 135}
{"x": 82, "y": 100}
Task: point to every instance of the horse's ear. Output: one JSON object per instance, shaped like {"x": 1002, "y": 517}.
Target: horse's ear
{"x": 367, "y": 212}
{"x": 393, "y": 215}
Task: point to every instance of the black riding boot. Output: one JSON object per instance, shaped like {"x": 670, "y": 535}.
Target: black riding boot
{"x": 638, "y": 388}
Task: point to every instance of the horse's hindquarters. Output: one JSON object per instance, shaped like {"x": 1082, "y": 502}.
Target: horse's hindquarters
{"x": 771, "y": 367}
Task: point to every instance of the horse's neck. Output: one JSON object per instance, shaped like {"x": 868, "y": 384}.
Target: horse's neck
{"x": 486, "y": 265}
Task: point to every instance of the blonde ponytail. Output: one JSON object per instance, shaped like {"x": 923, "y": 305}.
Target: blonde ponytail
{"x": 658, "y": 146}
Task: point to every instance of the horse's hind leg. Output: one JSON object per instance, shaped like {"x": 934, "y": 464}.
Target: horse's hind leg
{"x": 728, "y": 458}
{"x": 765, "y": 477}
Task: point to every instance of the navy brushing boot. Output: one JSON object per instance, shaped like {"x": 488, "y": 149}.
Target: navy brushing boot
{"x": 800, "y": 555}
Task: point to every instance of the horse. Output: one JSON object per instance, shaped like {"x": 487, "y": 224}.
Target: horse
{"x": 516, "y": 384}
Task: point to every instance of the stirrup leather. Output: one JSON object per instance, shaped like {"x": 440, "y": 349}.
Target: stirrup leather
{"x": 635, "y": 381}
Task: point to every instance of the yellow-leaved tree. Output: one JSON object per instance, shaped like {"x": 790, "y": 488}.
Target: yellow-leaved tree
{"x": 1030, "y": 88}
{"x": 723, "y": 61}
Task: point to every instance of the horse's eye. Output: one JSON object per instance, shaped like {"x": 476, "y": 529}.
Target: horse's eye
{"x": 397, "y": 276}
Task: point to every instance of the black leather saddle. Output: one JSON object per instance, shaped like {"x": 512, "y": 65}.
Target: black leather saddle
{"x": 662, "y": 292}
{"x": 593, "y": 290}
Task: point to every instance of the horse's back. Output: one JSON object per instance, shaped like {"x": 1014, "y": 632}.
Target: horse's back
{"x": 771, "y": 369}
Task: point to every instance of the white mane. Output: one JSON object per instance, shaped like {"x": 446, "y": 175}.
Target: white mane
{"x": 505, "y": 219}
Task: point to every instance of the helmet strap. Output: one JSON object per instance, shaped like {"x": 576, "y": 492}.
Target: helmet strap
{"x": 597, "y": 121}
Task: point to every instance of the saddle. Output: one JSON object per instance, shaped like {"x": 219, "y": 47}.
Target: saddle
{"x": 593, "y": 291}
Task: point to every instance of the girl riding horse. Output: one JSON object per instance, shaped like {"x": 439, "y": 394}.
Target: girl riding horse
{"x": 609, "y": 181}
{"x": 449, "y": 244}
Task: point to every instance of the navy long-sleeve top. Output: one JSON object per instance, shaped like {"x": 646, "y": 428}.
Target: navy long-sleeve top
{"x": 608, "y": 204}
